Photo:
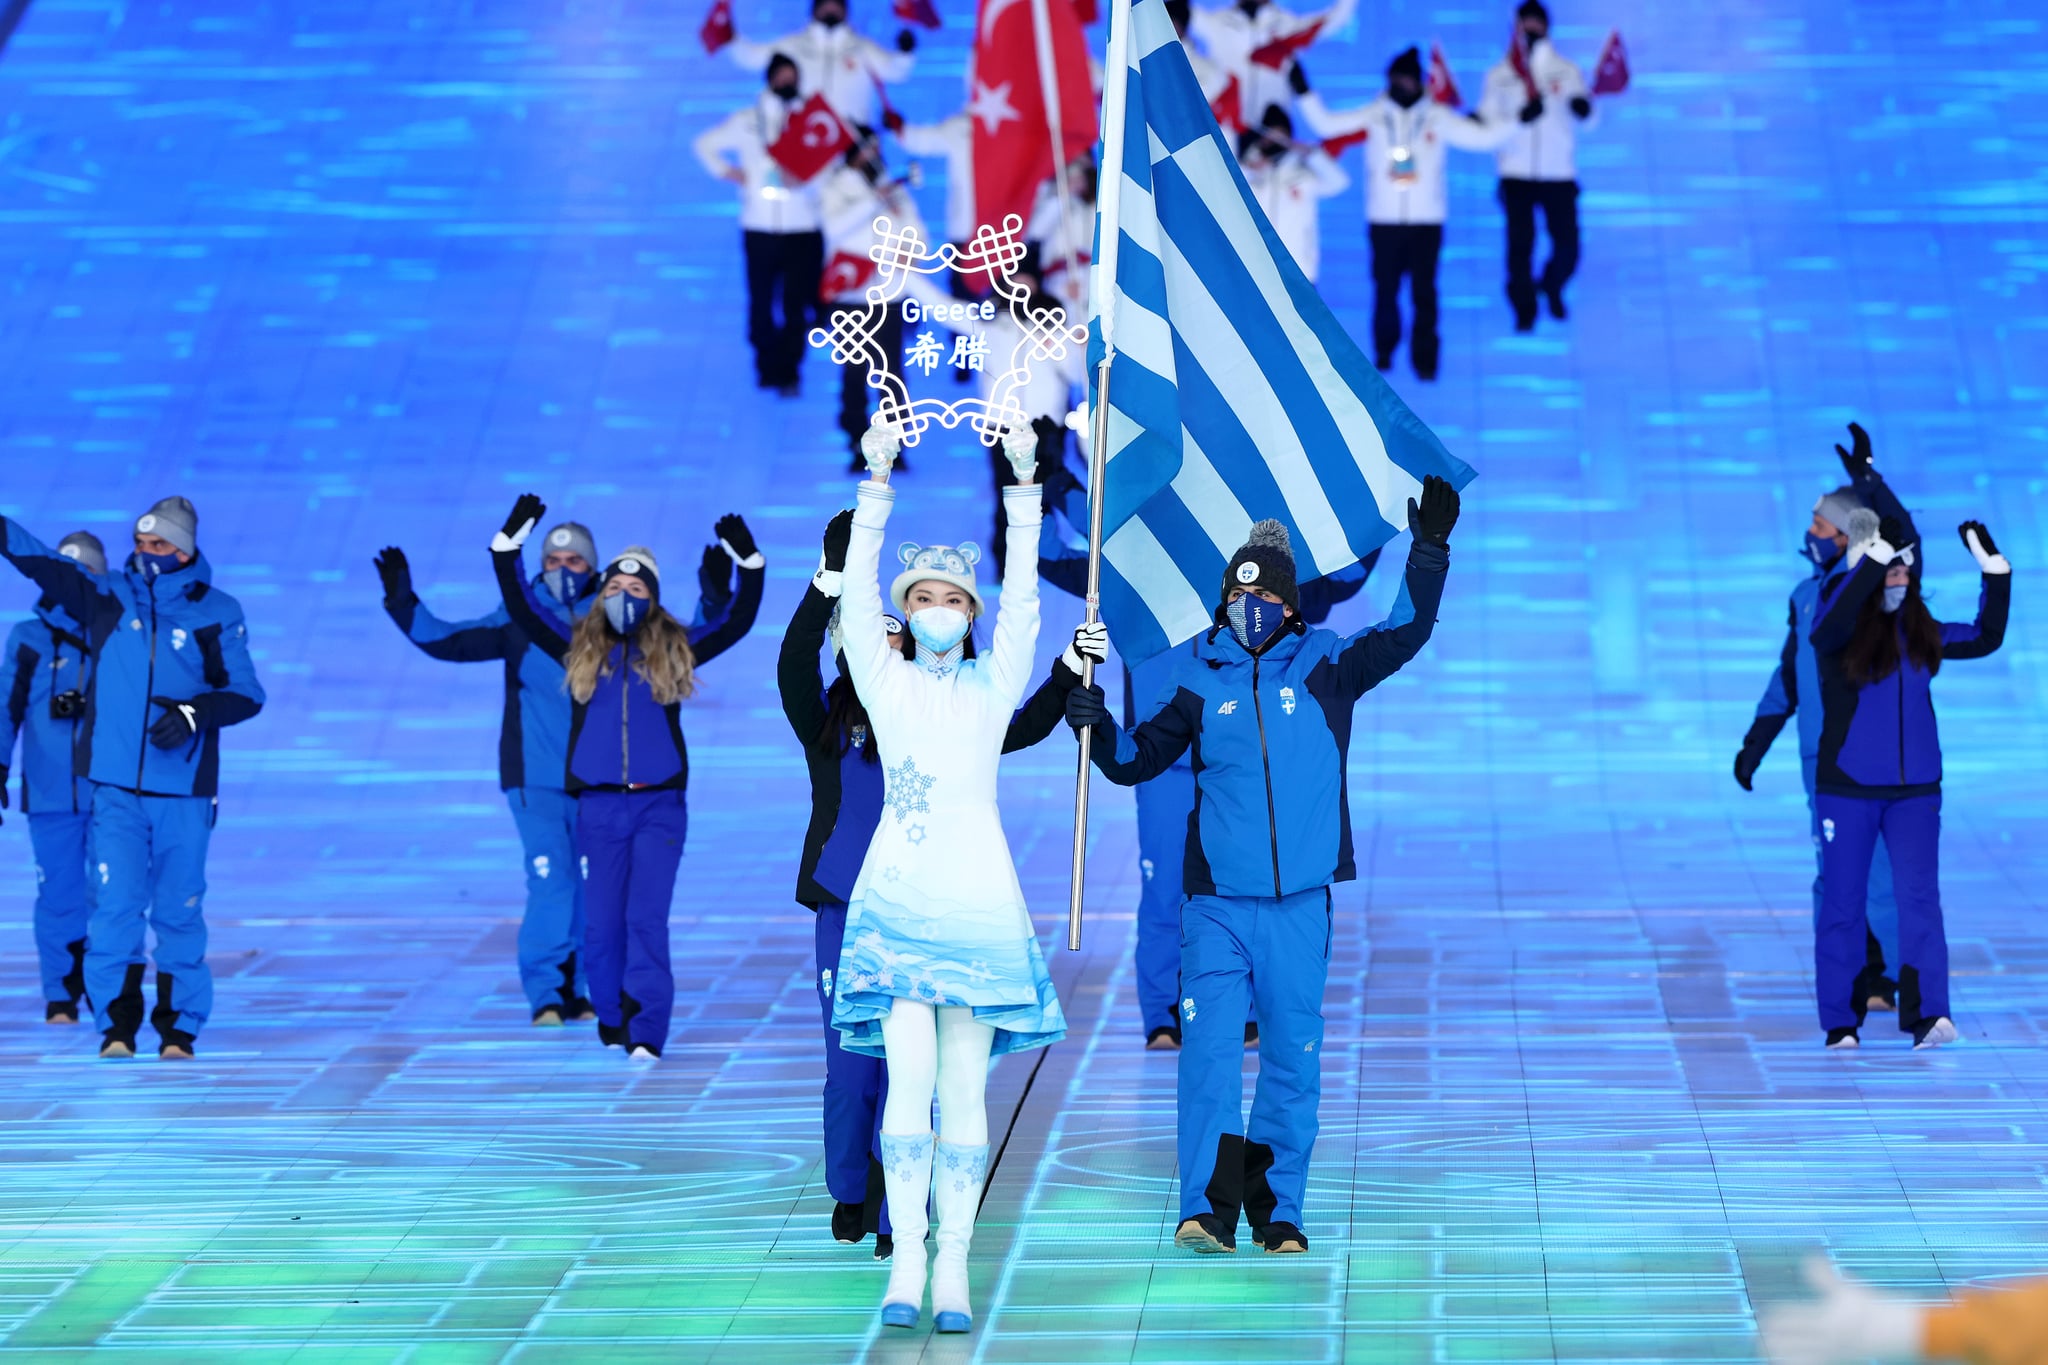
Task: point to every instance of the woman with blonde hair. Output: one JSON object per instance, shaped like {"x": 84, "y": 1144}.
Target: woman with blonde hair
{"x": 939, "y": 968}
{"x": 628, "y": 666}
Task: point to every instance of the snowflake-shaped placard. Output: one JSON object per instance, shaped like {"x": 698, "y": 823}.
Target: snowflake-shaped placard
{"x": 1044, "y": 333}
{"x": 907, "y": 790}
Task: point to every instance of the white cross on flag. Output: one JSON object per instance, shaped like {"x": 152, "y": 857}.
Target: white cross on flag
{"x": 812, "y": 139}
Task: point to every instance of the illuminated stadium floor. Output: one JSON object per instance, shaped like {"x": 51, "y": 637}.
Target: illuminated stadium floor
{"x": 352, "y": 275}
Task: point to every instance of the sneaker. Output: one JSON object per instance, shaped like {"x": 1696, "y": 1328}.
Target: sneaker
{"x": 1251, "y": 1034}
{"x": 547, "y": 1016}
{"x": 175, "y": 1052}
{"x": 581, "y": 1011}
{"x": 1163, "y": 1039}
{"x": 1383, "y": 363}
{"x": 643, "y": 1053}
{"x": 1280, "y": 1238}
{"x": 611, "y": 1035}
{"x": 1841, "y": 1038}
{"x": 885, "y": 1246}
{"x": 60, "y": 1012}
{"x": 1205, "y": 1233}
{"x": 114, "y": 1046}
{"x": 1933, "y": 1033}
{"x": 846, "y": 1223}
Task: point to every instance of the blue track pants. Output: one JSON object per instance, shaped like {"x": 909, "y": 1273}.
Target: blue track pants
{"x": 64, "y": 897}
{"x": 1164, "y": 805}
{"x": 1910, "y": 829}
{"x": 855, "y": 1083}
{"x": 150, "y": 854}
{"x": 631, "y": 844}
{"x": 1237, "y": 952}
{"x": 1884, "y": 906}
{"x": 551, "y": 934}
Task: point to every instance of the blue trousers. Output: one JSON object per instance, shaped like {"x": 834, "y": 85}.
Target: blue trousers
{"x": 1884, "y": 907}
{"x": 1164, "y": 804}
{"x": 631, "y": 844}
{"x": 151, "y": 855}
{"x": 551, "y": 934}
{"x": 1236, "y": 953}
{"x": 855, "y": 1083}
{"x": 1911, "y": 831}
{"x": 64, "y": 897}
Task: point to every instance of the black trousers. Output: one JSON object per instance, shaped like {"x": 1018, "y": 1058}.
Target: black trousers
{"x": 853, "y": 379}
{"x": 1409, "y": 249}
{"x": 1559, "y": 200}
{"x": 781, "y": 267}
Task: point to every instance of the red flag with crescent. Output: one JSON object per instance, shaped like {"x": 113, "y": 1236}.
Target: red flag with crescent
{"x": 1012, "y": 127}
{"x": 1518, "y": 59}
{"x": 1278, "y": 53}
{"x": 813, "y": 139}
{"x": 918, "y": 12}
{"x": 1610, "y": 77}
{"x": 1443, "y": 86}
{"x": 717, "y": 30}
{"x": 844, "y": 274}
{"x": 1228, "y": 107}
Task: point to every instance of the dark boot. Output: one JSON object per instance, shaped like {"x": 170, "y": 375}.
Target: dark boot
{"x": 124, "y": 1014}
{"x": 175, "y": 1043}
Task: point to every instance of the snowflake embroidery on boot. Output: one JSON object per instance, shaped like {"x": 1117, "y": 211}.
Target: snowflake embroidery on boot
{"x": 907, "y": 789}
{"x": 966, "y": 1167}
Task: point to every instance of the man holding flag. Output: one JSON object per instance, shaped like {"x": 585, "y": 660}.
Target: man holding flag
{"x": 1225, "y": 390}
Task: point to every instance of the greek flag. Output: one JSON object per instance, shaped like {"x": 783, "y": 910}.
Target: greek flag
{"x": 1233, "y": 392}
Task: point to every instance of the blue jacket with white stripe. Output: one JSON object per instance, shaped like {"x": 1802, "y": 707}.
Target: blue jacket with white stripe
{"x": 1267, "y": 735}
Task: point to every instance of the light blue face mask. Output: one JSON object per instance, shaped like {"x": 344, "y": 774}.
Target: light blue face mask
{"x": 626, "y": 612}
{"x": 1894, "y": 598}
{"x": 938, "y": 629}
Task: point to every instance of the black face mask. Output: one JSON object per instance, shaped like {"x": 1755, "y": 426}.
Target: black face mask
{"x": 1405, "y": 95}
{"x": 785, "y": 93}
{"x": 830, "y": 18}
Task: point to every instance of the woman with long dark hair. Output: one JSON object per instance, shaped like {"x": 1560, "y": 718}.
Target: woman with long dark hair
{"x": 628, "y": 667}
{"x": 846, "y": 806}
{"x": 1879, "y": 775}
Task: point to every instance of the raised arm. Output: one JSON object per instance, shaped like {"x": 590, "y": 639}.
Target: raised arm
{"x": 716, "y": 637}
{"x": 861, "y": 633}
{"x": 1373, "y": 655}
{"x": 547, "y": 635}
{"x": 62, "y": 580}
{"x": 890, "y": 67}
{"x": 1474, "y": 134}
{"x": 1994, "y": 600}
{"x": 1012, "y": 654}
{"x": 1842, "y": 598}
{"x": 1042, "y": 714}
{"x": 461, "y": 642}
{"x": 1327, "y": 123}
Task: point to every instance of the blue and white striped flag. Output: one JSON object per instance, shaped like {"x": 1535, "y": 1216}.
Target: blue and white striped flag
{"x": 1234, "y": 393}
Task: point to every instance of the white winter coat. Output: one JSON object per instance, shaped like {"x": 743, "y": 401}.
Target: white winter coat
{"x": 1407, "y": 180}
{"x": 1230, "y": 39}
{"x": 953, "y": 139}
{"x": 849, "y": 205}
{"x": 1291, "y": 191}
{"x": 1548, "y": 148}
{"x": 838, "y": 61}
{"x": 768, "y": 202}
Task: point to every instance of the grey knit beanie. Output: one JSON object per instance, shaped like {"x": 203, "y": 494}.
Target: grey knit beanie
{"x": 85, "y": 547}
{"x": 571, "y": 537}
{"x": 1837, "y": 506}
{"x": 173, "y": 519}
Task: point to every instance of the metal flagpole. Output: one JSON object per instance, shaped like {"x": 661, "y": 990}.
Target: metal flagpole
{"x": 1049, "y": 93}
{"x": 1108, "y": 200}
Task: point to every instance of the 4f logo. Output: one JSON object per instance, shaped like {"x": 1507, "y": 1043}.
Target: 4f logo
{"x": 1228, "y": 708}
{"x": 1287, "y": 700}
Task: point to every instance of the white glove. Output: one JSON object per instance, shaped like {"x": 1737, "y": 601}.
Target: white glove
{"x": 879, "y": 445}
{"x": 1865, "y": 541}
{"x": 1988, "y": 561}
{"x": 1089, "y": 640}
{"x": 1850, "y": 1321}
{"x": 1020, "y": 448}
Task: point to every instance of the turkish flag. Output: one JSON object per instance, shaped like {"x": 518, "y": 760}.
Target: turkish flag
{"x": 1281, "y": 50}
{"x": 1443, "y": 86}
{"x": 1518, "y": 59}
{"x": 1085, "y": 11}
{"x": 1013, "y": 152}
{"x": 917, "y": 12}
{"x": 812, "y": 139}
{"x": 1228, "y": 107}
{"x": 1610, "y": 77}
{"x": 1343, "y": 142}
{"x": 844, "y": 274}
{"x": 718, "y": 29}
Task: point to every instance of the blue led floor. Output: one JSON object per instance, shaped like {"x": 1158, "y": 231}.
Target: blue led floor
{"x": 356, "y": 274}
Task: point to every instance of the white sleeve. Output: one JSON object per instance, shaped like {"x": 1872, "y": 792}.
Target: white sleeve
{"x": 749, "y": 55}
{"x": 1011, "y": 658}
{"x": 1471, "y": 135}
{"x": 862, "y": 635}
{"x": 712, "y": 144}
{"x": 1335, "y": 17}
{"x": 925, "y": 139}
{"x": 1329, "y": 177}
{"x": 1503, "y": 98}
{"x": 886, "y": 63}
{"x": 1326, "y": 122}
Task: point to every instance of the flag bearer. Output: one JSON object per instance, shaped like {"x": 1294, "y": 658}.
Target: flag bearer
{"x": 835, "y": 61}
{"x": 1265, "y": 704}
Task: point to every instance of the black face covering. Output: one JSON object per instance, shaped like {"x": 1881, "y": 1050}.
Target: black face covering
{"x": 1405, "y": 94}
{"x": 831, "y": 18}
{"x": 785, "y": 93}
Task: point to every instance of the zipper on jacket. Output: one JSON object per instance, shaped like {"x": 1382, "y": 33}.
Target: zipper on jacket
{"x": 1265, "y": 760}
{"x": 625, "y": 717}
{"x": 148, "y": 689}
{"x": 1902, "y": 705}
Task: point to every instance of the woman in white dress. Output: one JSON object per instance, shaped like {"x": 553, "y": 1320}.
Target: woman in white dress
{"x": 940, "y": 968}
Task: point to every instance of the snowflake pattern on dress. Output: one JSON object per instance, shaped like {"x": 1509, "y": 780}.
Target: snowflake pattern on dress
{"x": 907, "y": 790}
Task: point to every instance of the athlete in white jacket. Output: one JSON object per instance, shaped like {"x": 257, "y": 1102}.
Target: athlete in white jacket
{"x": 1407, "y": 148}
{"x": 1539, "y": 164}
{"x": 1290, "y": 181}
{"x": 779, "y": 228}
{"x": 832, "y": 58}
{"x": 951, "y": 139}
{"x": 1230, "y": 34}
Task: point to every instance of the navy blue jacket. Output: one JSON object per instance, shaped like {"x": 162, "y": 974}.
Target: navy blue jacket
{"x": 171, "y": 635}
{"x": 847, "y": 787}
{"x": 622, "y": 739}
{"x": 1880, "y": 740}
{"x": 1268, "y": 736}
{"x": 46, "y": 657}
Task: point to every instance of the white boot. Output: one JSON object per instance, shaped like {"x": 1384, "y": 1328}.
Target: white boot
{"x": 958, "y": 1176}
{"x": 907, "y": 1180}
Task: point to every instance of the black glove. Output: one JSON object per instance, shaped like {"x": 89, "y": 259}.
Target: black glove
{"x": 1581, "y": 107}
{"x": 714, "y": 578}
{"x": 1085, "y": 708}
{"x": 1746, "y": 763}
{"x": 838, "y": 534}
{"x": 1894, "y": 533}
{"x": 1433, "y": 519}
{"x": 395, "y": 573}
{"x": 1858, "y": 462}
{"x": 1983, "y": 539}
{"x": 1755, "y": 745}
{"x": 526, "y": 512}
{"x": 1533, "y": 110}
{"x": 1297, "y": 78}
{"x": 733, "y": 531}
{"x": 906, "y": 41}
{"x": 173, "y": 727}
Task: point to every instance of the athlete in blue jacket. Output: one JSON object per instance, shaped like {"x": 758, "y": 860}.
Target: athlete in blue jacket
{"x": 1265, "y": 708}
{"x": 1879, "y": 773}
{"x": 1796, "y": 680}
{"x": 170, "y": 670}
{"x": 628, "y": 665}
{"x": 533, "y": 746}
{"x": 43, "y": 681}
